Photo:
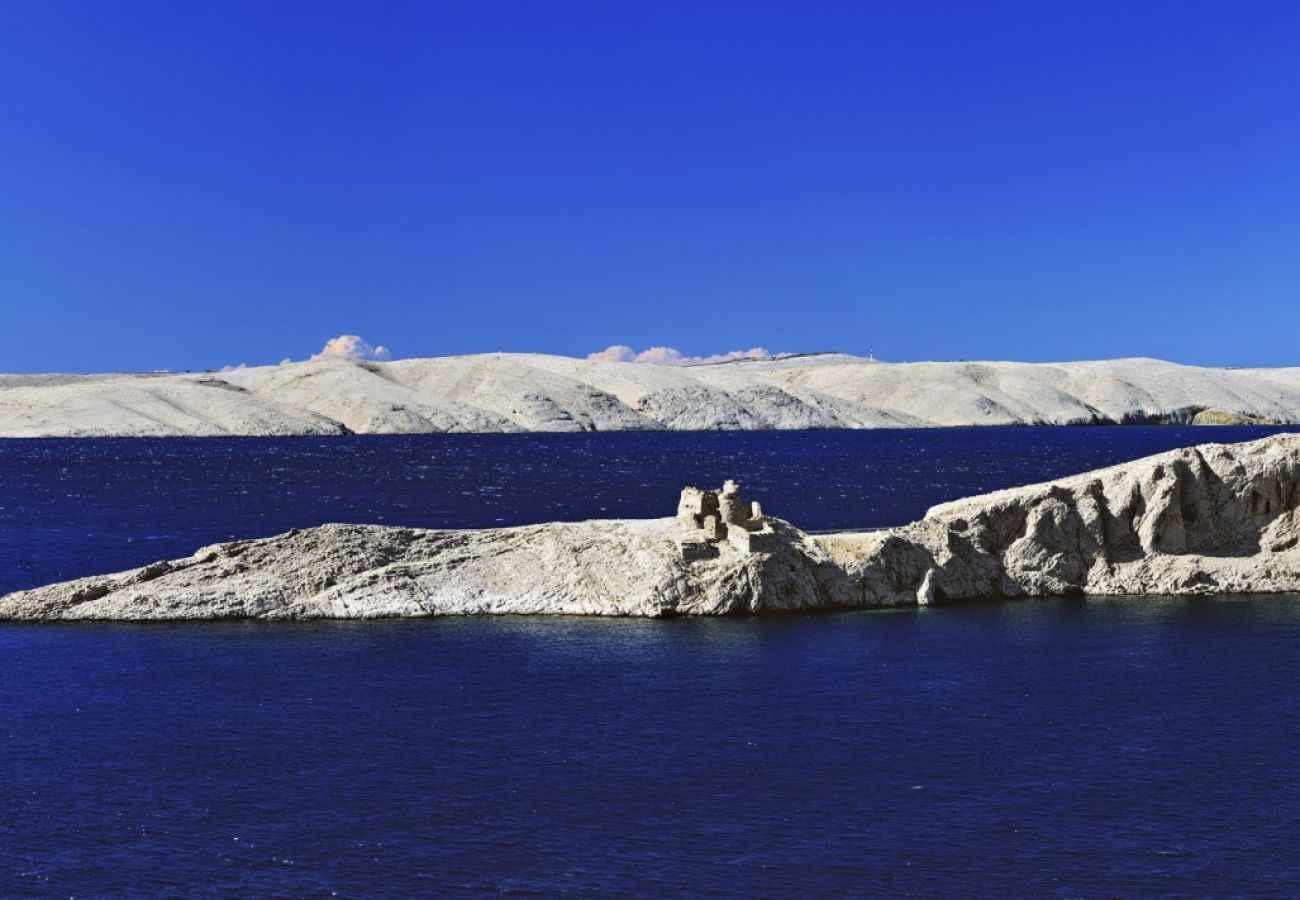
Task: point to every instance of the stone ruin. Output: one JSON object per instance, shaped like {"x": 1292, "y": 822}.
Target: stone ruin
{"x": 720, "y": 517}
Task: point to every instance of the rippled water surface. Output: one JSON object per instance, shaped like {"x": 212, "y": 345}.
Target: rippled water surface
{"x": 1111, "y": 748}
{"x": 1062, "y": 748}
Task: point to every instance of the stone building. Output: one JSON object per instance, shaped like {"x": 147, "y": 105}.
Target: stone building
{"x": 716, "y": 517}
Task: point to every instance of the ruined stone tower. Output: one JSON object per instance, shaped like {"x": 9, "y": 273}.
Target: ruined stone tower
{"x": 717, "y": 516}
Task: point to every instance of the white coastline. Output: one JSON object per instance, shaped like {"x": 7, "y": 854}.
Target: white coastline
{"x": 505, "y": 392}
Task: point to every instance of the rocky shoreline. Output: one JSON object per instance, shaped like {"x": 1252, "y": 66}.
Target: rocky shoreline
{"x": 1213, "y": 519}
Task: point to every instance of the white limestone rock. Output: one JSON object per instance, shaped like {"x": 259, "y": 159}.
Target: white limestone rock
{"x": 1205, "y": 520}
{"x": 615, "y": 568}
{"x": 1215, "y": 519}
{"x": 498, "y": 392}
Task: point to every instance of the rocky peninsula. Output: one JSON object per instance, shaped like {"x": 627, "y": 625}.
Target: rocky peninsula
{"x": 1213, "y": 519}
{"x": 510, "y": 392}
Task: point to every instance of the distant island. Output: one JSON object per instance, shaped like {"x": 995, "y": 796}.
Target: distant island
{"x": 519, "y": 392}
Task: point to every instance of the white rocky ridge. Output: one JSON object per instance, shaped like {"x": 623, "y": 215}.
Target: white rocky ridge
{"x": 529, "y": 392}
{"x": 1214, "y": 519}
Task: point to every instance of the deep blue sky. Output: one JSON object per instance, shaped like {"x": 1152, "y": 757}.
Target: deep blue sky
{"x": 185, "y": 185}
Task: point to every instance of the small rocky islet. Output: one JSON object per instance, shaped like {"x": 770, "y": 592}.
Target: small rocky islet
{"x": 1212, "y": 519}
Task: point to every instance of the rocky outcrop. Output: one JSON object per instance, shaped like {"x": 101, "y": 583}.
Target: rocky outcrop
{"x": 1218, "y": 417}
{"x": 1215, "y": 519}
{"x": 1219, "y": 518}
{"x": 615, "y": 568}
{"x": 501, "y": 392}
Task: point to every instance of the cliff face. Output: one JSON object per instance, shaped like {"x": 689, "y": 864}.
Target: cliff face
{"x": 501, "y": 392}
{"x": 1212, "y": 519}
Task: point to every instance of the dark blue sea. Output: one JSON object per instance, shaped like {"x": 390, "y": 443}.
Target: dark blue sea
{"x": 1062, "y": 748}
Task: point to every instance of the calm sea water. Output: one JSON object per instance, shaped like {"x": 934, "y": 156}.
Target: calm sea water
{"x": 1052, "y": 747}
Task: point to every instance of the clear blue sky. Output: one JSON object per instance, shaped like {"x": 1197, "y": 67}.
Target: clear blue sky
{"x": 186, "y": 185}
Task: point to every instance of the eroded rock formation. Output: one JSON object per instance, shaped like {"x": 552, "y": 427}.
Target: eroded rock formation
{"x": 1211, "y": 519}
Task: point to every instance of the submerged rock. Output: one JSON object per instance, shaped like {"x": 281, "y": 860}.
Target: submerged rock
{"x": 1211, "y": 519}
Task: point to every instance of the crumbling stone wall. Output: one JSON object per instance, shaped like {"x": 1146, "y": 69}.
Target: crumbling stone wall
{"x": 718, "y": 516}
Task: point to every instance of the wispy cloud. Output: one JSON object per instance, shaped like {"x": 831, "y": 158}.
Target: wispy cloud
{"x": 351, "y": 346}
{"x": 671, "y": 356}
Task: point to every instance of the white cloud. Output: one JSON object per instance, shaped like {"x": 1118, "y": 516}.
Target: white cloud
{"x": 351, "y": 346}
{"x": 671, "y": 356}
{"x": 616, "y": 353}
